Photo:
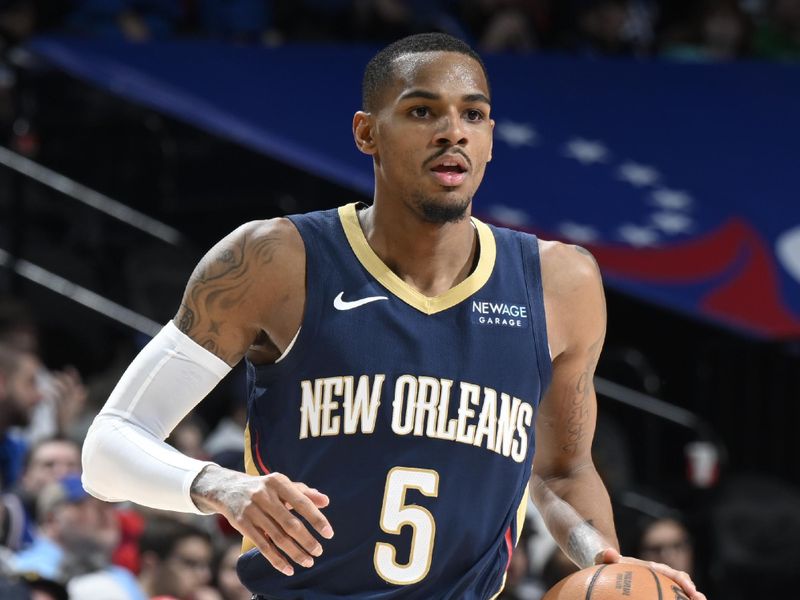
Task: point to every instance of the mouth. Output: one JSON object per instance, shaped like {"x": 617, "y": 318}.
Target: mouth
{"x": 450, "y": 171}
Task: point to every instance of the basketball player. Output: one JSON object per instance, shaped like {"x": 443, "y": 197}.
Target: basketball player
{"x": 403, "y": 361}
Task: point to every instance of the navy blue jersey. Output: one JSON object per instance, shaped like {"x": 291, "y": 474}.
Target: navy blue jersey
{"x": 415, "y": 415}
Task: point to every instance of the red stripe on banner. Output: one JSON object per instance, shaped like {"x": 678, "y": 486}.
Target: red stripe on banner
{"x": 750, "y": 295}
{"x": 261, "y": 465}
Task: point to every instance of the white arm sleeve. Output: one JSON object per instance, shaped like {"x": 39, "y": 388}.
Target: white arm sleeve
{"x": 124, "y": 455}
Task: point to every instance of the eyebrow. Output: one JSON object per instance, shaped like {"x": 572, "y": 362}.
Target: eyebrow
{"x": 431, "y": 96}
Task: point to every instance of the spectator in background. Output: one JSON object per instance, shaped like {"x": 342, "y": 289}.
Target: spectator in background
{"x": 600, "y": 26}
{"x": 719, "y": 30}
{"x": 47, "y": 461}
{"x": 20, "y": 19}
{"x": 31, "y": 587}
{"x": 134, "y": 20}
{"x": 226, "y": 580}
{"x": 502, "y": 25}
{"x": 242, "y": 21}
{"x": 384, "y": 20}
{"x": 381, "y": 19}
{"x": 63, "y": 393}
{"x": 228, "y": 435}
{"x": 667, "y": 540}
{"x": 188, "y": 437}
{"x": 175, "y": 559}
{"x": 778, "y": 36}
{"x": 76, "y": 536}
{"x": 19, "y": 395}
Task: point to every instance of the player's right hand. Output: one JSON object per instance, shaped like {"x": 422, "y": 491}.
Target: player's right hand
{"x": 610, "y": 556}
{"x": 265, "y": 510}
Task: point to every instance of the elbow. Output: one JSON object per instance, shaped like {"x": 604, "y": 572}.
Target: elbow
{"x": 93, "y": 458}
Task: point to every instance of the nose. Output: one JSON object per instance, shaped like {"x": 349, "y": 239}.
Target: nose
{"x": 451, "y": 131}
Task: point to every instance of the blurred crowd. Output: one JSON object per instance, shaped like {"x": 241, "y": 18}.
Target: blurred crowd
{"x": 59, "y": 543}
{"x": 680, "y": 29}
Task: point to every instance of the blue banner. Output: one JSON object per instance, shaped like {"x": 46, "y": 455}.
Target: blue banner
{"x": 683, "y": 179}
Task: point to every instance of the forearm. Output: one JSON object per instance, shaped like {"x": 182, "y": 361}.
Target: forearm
{"x": 125, "y": 462}
{"x": 215, "y": 488}
{"x": 124, "y": 455}
{"x": 577, "y": 511}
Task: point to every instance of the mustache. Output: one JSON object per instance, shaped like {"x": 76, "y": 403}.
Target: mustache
{"x": 444, "y": 151}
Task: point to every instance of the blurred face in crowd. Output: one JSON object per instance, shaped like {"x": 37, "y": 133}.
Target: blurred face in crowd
{"x": 21, "y": 391}
{"x": 227, "y": 578}
{"x": 187, "y": 568}
{"x": 724, "y": 32}
{"x": 49, "y": 462}
{"x": 435, "y": 110}
{"x": 90, "y": 525}
{"x": 605, "y": 24}
{"x": 667, "y": 541}
{"x": 188, "y": 438}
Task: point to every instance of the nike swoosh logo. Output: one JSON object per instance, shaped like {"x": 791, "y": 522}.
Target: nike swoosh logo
{"x": 340, "y": 304}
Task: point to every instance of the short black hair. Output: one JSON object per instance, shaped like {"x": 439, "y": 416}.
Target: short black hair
{"x": 161, "y": 534}
{"x": 380, "y": 69}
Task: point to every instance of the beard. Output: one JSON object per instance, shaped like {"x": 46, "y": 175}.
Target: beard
{"x": 440, "y": 212}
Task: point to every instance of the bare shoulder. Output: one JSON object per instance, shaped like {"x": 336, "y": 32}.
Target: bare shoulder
{"x": 573, "y": 294}
{"x": 567, "y": 267}
{"x": 235, "y": 287}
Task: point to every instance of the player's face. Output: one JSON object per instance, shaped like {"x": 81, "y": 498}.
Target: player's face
{"x": 433, "y": 134}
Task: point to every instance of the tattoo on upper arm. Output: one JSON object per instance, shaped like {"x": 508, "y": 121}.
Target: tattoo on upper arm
{"x": 578, "y": 405}
{"x": 220, "y": 283}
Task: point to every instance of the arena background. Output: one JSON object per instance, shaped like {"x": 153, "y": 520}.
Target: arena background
{"x": 662, "y": 136}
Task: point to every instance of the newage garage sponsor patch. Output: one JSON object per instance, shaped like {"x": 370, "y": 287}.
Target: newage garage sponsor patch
{"x": 499, "y": 314}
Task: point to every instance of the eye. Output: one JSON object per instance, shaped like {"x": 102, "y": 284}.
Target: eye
{"x": 420, "y": 111}
{"x": 474, "y": 115}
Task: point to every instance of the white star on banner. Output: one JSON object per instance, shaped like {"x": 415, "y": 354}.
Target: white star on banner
{"x": 576, "y": 232}
{"x": 638, "y": 236}
{"x": 586, "y": 152}
{"x": 672, "y": 223}
{"x": 516, "y": 134}
{"x": 508, "y": 216}
{"x": 787, "y": 248}
{"x": 671, "y": 199}
{"x": 638, "y": 175}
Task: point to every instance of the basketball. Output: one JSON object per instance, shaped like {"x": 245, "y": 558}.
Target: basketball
{"x": 617, "y": 581}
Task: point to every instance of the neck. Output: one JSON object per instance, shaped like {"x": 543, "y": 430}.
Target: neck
{"x": 431, "y": 257}
{"x": 147, "y": 583}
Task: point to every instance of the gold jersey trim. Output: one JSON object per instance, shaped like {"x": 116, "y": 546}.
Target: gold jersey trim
{"x": 388, "y": 279}
{"x": 522, "y": 510}
{"x": 250, "y": 469}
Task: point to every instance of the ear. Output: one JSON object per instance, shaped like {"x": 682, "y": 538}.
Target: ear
{"x": 491, "y": 142}
{"x": 362, "y": 132}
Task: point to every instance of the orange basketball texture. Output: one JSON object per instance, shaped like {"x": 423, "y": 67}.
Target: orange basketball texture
{"x": 617, "y": 581}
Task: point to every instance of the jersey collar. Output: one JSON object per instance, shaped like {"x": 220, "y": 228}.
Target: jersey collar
{"x": 388, "y": 279}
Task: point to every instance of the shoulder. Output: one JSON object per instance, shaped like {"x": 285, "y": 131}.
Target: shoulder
{"x": 252, "y": 280}
{"x": 567, "y": 269}
{"x": 267, "y": 247}
{"x": 267, "y": 237}
{"x": 573, "y": 295}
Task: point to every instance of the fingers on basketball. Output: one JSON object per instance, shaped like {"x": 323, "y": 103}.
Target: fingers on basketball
{"x": 618, "y": 581}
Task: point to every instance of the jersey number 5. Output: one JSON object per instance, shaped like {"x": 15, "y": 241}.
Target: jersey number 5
{"x": 395, "y": 513}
